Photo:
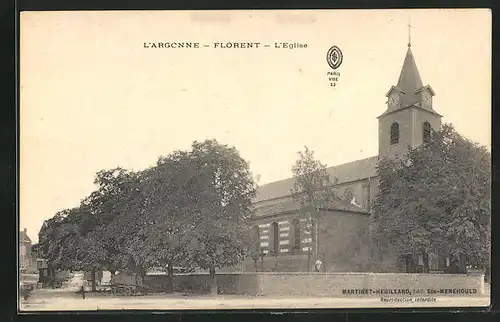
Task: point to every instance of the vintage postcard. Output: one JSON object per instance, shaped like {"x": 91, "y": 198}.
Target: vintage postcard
{"x": 257, "y": 159}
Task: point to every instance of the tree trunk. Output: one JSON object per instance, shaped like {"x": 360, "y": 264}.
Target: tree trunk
{"x": 463, "y": 264}
{"x": 137, "y": 269}
{"x": 142, "y": 272}
{"x": 93, "y": 280}
{"x": 213, "y": 281}
{"x": 170, "y": 281}
{"x": 425, "y": 256}
{"x": 309, "y": 260}
{"x": 314, "y": 241}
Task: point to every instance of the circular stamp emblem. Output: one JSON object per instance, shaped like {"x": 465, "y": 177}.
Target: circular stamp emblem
{"x": 334, "y": 57}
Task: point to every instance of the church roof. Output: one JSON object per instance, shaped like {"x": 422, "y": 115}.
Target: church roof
{"x": 347, "y": 172}
{"x": 409, "y": 79}
{"x": 288, "y": 205}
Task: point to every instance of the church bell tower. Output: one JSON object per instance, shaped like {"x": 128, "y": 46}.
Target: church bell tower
{"x": 409, "y": 117}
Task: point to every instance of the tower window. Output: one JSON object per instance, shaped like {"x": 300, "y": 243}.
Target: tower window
{"x": 427, "y": 132}
{"x": 394, "y": 133}
{"x": 296, "y": 234}
{"x": 275, "y": 241}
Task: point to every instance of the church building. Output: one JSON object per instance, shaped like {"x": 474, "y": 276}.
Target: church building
{"x": 343, "y": 242}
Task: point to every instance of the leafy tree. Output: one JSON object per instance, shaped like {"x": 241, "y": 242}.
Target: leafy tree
{"x": 161, "y": 240}
{"x": 190, "y": 210}
{"x": 62, "y": 240}
{"x": 116, "y": 207}
{"x": 195, "y": 210}
{"x": 437, "y": 198}
{"x": 93, "y": 236}
{"x": 312, "y": 190}
{"x": 50, "y": 233}
{"x": 255, "y": 247}
{"x": 220, "y": 207}
{"x": 216, "y": 243}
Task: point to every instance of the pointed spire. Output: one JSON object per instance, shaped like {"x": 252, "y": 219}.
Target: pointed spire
{"x": 409, "y": 32}
{"x": 409, "y": 88}
{"x": 409, "y": 79}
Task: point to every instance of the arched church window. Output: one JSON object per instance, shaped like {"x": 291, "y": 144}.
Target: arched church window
{"x": 427, "y": 132}
{"x": 275, "y": 241}
{"x": 394, "y": 133}
{"x": 296, "y": 233}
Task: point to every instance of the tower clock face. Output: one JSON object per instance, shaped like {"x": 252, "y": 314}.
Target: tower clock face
{"x": 393, "y": 100}
{"x": 427, "y": 99}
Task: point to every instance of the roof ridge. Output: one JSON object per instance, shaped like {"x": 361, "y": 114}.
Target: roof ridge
{"x": 345, "y": 172}
{"x": 337, "y": 204}
{"x": 328, "y": 167}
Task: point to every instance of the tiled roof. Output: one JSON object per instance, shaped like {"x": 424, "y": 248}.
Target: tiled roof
{"x": 279, "y": 206}
{"x": 287, "y": 204}
{"x": 347, "y": 172}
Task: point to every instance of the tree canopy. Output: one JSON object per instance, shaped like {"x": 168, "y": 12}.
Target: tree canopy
{"x": 189, "y": 210}
{"x": 313, "y": 189}
{"x": 436, "y": 198}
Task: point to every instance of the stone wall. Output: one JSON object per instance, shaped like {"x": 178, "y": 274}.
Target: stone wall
{"x": 228, "y": 283}
{"x": 343, "y": 241}
{"x": 364, "y": 191}
{"x": 279, "y": 263}
{"x": 328, "y": 284}
{"x": 360, "y": 284}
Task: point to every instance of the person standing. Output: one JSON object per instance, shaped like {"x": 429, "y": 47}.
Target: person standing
{"x": 82, "y": 289}
{"x": 318, "y": 265}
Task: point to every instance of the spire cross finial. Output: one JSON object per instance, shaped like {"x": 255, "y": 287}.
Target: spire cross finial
{"x": 409, "y": 32}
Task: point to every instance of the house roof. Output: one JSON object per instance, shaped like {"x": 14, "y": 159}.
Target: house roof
{"x": 347, "y": 172}
{"x": 285, "y": 205}
{"x": 23, "y": 237}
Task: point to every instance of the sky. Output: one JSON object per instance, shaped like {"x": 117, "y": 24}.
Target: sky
{"x": 93, "y": 97}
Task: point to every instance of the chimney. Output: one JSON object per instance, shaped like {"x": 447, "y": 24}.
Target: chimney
{"x": 25, "y": 230}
